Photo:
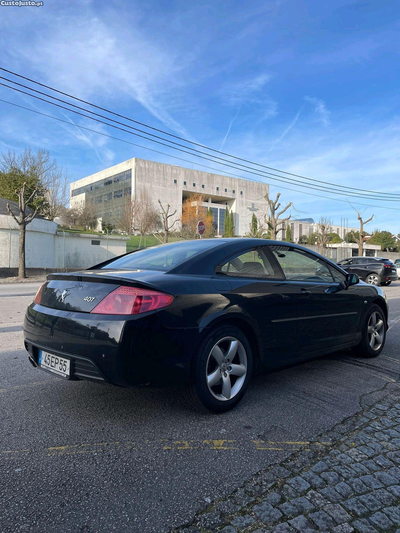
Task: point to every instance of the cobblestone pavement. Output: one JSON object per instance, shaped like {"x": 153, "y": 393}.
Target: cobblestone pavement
{"x": 351, "y": 485}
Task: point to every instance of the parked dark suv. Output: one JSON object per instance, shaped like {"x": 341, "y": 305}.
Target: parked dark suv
{"x": 374, "y": 270}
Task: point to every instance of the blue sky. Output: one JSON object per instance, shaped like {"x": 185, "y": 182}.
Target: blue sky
{"x": 308, "y": 87}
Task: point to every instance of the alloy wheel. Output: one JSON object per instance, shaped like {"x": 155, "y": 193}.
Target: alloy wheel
{"x": 373, "y": 279}
{"x": 226, "y": 368}
{"x": 376, "y": 331}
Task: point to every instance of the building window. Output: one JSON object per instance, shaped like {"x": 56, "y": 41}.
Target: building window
{"x": 217, "y": 188}
{"x": 98, "y": 199}
{"x": 118, "y": 194}
{"x": 226, "y": 190}
{"x": 233, "y": 191}
{"x": 175, "y": 181}
{"x": 241, "y": 192}
{"x": 194, "y": 185}
{"x": 184, "y": 183}
{"x": 108, "y": 182}
{"x": 202, "y": 186}
{"x": 96, "y": 243}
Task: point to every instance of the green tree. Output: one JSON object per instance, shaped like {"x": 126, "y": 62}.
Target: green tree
{"x": 352, "y": 237}
{"x": 334, "y": 238}
{"x": 229, "y": 230}
{"x": 288, "y": 235}
{"x": 254, "y": 225}
{"x": 303, "y": 239}
{"x": 384, "y": 238}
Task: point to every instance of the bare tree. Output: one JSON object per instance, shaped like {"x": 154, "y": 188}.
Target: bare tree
{"x": 322, "y": 235}
{"x": 167, "y": 225}
{"x": 274, "y": 222}
{"x": 145, "y": 216}
{"x": 87, "y": 216}
{"x": 257, "y": 228}
{"x": 362, "y": 235}
{"x": 57, "y": 194}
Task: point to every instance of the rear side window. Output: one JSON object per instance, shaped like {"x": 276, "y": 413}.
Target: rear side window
{"x": 298, "y": 265}
{"x": 255, "y": 263}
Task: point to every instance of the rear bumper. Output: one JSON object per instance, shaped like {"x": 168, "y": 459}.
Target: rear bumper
{"x": 124, "y": 352}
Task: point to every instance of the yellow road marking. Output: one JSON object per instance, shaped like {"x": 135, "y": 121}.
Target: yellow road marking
{"x": 167, "y": 444}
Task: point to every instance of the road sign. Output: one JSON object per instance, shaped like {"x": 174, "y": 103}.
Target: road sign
{"x": 200, "y": 227}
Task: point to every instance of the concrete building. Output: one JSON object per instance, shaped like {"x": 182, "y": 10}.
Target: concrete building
{"x": 108, "y": 190}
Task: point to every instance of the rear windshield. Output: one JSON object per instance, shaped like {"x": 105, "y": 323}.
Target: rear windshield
{"x": 163, "y": 257}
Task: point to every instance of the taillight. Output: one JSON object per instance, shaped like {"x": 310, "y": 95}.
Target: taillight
{"x": 132, "y": 301}
{"x": 38, "y": 297}
{"x": 388, "y": 266}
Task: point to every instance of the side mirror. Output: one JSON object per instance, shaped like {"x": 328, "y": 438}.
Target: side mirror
{"x": 352, "y": 279}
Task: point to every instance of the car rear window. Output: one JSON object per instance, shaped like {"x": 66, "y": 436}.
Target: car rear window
{"x": 163, "y": 257}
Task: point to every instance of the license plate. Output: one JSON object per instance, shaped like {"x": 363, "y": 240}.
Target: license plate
{"x": 54, "y": 363}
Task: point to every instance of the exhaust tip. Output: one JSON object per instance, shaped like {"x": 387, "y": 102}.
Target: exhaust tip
{"x": 32, "y": 361}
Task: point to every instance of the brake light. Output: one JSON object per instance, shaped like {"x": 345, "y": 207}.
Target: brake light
{"x": 38, "y": 296}
{"x": 132, "y": 301}
{"x": 388, "y": 266}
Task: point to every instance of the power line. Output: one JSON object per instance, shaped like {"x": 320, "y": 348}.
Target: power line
{"x": 181, "y": 159}
{"x": 343, "y": 187}
{"x": 202, "y": 155}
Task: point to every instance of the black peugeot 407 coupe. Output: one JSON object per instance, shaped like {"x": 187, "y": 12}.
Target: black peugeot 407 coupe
{"x": 205, "y": 314}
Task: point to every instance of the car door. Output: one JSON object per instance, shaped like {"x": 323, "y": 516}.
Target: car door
{"x": 260, "y": 294}
{"x": 328, "y": 312}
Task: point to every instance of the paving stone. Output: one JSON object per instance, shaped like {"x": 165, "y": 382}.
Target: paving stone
{"x": 343, "y": 528}
{"x": 317, "y": 499}
{"x": 319, "y": 467}
{"x": 303, "y": 505}
{"x": 337, "y": 512}
{"x": 344, "y": 458}
{"x": 393, "y": 513}
{"x": 314, "y": 480}
{"x": 386, "y": 478}
{"x": 289, "y": 492}
{"x": 300, "y": 523}
{"x": 383, "y": 461}
{"x": 360, "y": 469}
{"x": 274, "y": 498}
{"x": 283, "y": 528}
{"x": 381, "y": 521}
{"x": 243, "y": 521}
{"x": 331, "y": 495}
{"x": 266, "y": 513}
{"x": 289, "y": 510}
{"x": 344, "y": 489}
{"x": 367, "y": 450}
{"x": 363, "y": 526}
{"x": 395, "y": 472}
{"x": 357, "y": 485}
{"x": 344, "y": 471}
{"x": 330, "y": 477}
{"x": 280, "y": 472}
{"x": 356, "y": 455}
{"x": 322, "y": 520}
{"x": 371, "y": 465}
{"x": 395, "y": 490}
{"x": 299, "y": 484}
{"x": 355, "y": 506}
{"x": 371, "y": 482}
{"x": 385, "y": 497}
{"x": 370, "y": 501}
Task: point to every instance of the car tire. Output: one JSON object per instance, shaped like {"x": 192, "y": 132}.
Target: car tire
{"x": 373, "y": 333}
{"x": 221, "y": 370}
{"x": 373, "y": 278}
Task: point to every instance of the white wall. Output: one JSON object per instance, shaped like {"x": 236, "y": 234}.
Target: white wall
{"x": 47, "y": 248}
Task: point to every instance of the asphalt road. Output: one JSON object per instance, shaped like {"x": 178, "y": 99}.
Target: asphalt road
{"x": 82, "y": 457}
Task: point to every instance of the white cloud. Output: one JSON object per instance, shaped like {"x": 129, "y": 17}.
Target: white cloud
{"x": 320, "y": 109}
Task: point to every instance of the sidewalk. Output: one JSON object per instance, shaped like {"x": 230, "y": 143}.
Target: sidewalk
{"x": 353, "y": 484}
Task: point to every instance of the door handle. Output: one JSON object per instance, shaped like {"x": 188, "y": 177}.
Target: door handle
{"x": 304, "y": 293}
